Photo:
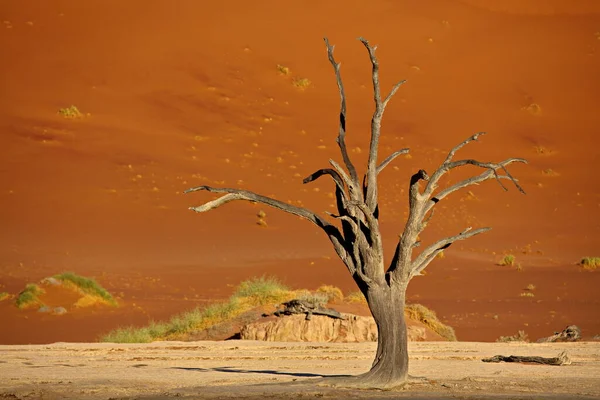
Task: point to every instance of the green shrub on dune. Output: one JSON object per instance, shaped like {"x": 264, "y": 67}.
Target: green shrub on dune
{"x": 29, "y": 296}
{"x": 86, "y": 286}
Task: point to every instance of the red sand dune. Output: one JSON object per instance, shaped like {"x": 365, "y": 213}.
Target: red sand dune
{"x": 185, "y": 94}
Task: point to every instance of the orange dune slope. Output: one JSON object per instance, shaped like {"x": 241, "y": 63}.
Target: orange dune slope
{"x": 170, "y": 95}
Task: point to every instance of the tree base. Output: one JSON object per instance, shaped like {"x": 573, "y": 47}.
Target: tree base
{"x": 370, "y": 381}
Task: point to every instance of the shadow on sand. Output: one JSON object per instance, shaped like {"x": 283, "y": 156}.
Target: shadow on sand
{"x": 261, "y": 371}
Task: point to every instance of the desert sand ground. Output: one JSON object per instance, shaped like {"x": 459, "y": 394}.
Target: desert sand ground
{"x": 248, "y": 369}
{"x": 175, "y": 96}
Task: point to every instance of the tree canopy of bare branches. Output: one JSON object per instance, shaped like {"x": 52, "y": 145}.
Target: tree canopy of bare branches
{"x": 354, "y": 230}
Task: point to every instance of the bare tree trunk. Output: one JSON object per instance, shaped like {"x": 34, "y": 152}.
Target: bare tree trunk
{"x": 390, "y": 367}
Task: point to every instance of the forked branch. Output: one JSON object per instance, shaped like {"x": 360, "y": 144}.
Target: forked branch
{"x": 432, "y": 251}
{"x": 491, "y": 172}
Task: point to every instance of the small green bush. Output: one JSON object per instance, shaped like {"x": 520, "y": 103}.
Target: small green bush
{"x": 87, "y": 285}
{"x": 30, "y": 296}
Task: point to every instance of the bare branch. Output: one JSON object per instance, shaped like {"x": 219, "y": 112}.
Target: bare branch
{"x": 490, "y": 173}
{"x": 238, "y": 194}
{"x": 393, "y": 92}
{"x": 443, "y": 168}
{"x": 372, "y": 169}
{"x": 432, "y": 251}
{"x": 341, "y": 139}
{"x": 390, "y": 158}
{"x": 334, "y": 175}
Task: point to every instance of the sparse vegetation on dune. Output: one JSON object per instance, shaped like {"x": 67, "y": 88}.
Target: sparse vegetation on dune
{"x": 248, "y": 295}
{"x": 508, "y": 259}
{"x": 520, "y": 336}
{"x": 263, "y": 290}
{"x": 428, "y": 317}
{"x": 590, "y": 263}
{"x": 70, "y": 112}
{"x": 301, "y": 83}
{"x": 91, "y": 290}
{"x": 30, "y": 296}
{"x": 4, "y": 296}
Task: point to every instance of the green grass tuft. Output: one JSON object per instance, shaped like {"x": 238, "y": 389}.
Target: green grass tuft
{"x": 87, "y": 286}
{"x": 263, "y": 290}
{"x": 590, "y": 263}
{"x": 428, "y": 317}
{"x": 30, "y": 296}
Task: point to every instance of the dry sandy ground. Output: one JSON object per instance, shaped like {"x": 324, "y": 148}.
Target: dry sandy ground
{"x": 182, "y": 94}
{"x": 248, "y": 369}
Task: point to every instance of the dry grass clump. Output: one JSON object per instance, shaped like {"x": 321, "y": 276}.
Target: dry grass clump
{"x": 70, "y": 112}
{"x": 30, "y": 296}
{"x": 92, "y": 291}
{"x": 508, "y": 259}
{"x": 334, "y": 294}
{"x": 4, "y": 296}
{"x": 520, "y": 336}
{"x": 317, "y": 299}
{"x": 590, "y": 263}
{"x": 301, "y": 83}
{"x": 263, "y": 290}
{"x": 356, "y": 298}
{"x": 283, "y": 69}
{"x": 428, "y": 317}
{"x": 527, "y": 294}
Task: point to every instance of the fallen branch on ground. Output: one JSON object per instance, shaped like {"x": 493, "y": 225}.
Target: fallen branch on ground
{"x": 562, "y": 359}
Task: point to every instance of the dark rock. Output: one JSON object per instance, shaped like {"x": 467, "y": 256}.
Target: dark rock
{"x": 571, "y": 333}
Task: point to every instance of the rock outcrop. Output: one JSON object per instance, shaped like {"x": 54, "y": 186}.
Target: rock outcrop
{"x": 296, "y": 328}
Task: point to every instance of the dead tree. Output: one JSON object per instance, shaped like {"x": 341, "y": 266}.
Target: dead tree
{"x": 354, "y": 230}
